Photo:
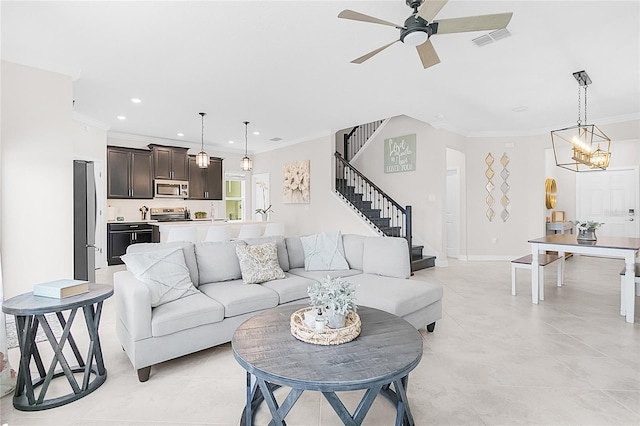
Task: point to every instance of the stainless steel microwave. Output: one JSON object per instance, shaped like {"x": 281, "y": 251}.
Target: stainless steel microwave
{"x": 171, "y": 188}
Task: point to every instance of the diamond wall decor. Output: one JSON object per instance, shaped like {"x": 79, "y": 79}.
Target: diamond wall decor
{"x": 489, "y": 187}
{"x": 504, "y": 160}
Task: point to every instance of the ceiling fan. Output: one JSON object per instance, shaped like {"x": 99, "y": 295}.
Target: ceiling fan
{"x": 419, "y": 27}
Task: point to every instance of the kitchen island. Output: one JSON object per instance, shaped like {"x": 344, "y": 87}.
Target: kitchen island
{"x": 161, "y": 229}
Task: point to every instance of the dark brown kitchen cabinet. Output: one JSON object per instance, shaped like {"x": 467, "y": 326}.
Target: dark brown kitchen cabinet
{"x": 170, "y": 162}
{"x": 122, "y": 235}
{"x": 129, "y": 173}
{"x": 205, "y": 184}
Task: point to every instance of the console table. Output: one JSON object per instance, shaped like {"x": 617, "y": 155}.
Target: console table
{"x": 382, "y": 356}
{"x": 29, "y": 311}
{"x": 620, "y": 247}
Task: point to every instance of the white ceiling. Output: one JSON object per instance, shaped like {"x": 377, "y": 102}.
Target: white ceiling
{"x": 284, "y": 66}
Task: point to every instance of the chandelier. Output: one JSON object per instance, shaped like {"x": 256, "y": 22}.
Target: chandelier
{"x": 583, "y": 147}
{"x": 202, "y": 159}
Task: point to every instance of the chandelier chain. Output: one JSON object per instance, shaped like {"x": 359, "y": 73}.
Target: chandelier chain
{"x": 585, "y": 104}
{"x": 579, "y": 105}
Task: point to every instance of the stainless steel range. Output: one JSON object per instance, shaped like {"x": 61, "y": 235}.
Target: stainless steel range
{"x": 170, "y": 214}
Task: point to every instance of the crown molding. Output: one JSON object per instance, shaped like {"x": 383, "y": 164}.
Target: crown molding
{"x": 322, "y": 134}
{"x": 531, "y": 132}
{"x": 142, "y": 140}
{"x": 91, "y": 121}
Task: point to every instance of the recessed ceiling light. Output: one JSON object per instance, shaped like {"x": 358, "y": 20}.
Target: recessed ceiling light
{"x": 231, "y": 142}
{"x": 180, "y": 134}
{"x": 122, "y": 117}
{"x": 256, "y": 133}
{"x": 440, "y": 116}
{"x": 135, "y": 100}
{"x": 521, "y": 108}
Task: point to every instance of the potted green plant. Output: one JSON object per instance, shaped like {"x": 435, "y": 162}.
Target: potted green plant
{"x": 587, "y": 230}
{"x": 336, "y": 297}
{"x": 265, "y": 213}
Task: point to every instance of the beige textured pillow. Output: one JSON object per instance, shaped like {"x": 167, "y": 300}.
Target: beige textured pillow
{"x": 259, "y": 263}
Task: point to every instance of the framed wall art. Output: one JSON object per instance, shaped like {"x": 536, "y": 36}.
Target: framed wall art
{"x": 297, "y": 182}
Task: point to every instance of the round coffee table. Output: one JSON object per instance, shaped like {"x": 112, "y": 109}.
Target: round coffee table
{"x": 387, "y": 349}
{"x": 29, "y": 311}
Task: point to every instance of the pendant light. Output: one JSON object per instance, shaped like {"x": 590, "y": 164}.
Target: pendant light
{"x": 202, "y": 159}
{"x": 245, "y": 164}
{"x": 583, "y": 147}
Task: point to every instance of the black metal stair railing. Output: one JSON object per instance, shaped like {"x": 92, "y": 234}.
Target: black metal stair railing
{"x": 357, "y": 137}
{"x": 373, "y": 204}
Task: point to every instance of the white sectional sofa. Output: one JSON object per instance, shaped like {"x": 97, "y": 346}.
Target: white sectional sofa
{"x": 378, "y": 266}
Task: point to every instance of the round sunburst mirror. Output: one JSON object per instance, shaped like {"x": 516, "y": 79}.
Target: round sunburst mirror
{"x": 550, "y": 190}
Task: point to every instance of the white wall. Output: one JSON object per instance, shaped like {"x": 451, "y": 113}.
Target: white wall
{"x": 499, "y": 239}
{"x": 37, "y": 179}
{"x": 425, "y": 188}
{"x": 531, "y": 162}
{"x": 325, "y": 210}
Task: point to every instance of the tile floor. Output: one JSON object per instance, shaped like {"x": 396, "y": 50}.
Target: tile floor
{"x": 494, "y": 359}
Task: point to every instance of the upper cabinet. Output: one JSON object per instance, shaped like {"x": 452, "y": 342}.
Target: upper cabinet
{"x": 170, "y": 162}
{"x": 205, "y": 184}
{"x": 129, "y": 173}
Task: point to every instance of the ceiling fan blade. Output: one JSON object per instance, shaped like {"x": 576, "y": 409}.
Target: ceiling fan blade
{"x": 473, "y": 23}
{"x": 428, "y": 54}
{"x": 363, "y": 58}
{"x": 357, "y": 16}
{"x": 430, "y": 9}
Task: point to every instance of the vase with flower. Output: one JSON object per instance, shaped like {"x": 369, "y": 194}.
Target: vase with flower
{"x": 264, "y": 212}
{"x": 587, "y": 230}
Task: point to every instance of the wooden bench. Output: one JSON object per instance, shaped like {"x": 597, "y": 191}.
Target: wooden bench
{"x": 524, "y": 262}
{"x": 623, "y": 311}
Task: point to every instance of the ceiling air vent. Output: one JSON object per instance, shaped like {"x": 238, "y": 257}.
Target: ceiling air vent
{"x": 491, "y": 37}
{"x": 482, "y": 40}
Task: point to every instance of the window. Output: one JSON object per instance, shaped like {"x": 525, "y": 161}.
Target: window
{"x": 235, "y": 195}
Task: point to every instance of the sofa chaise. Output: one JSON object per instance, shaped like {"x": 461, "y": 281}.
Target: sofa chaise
{"x": 379, "y": 267}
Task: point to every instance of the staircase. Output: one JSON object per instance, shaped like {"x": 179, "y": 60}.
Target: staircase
{"x": 384, "y": 214}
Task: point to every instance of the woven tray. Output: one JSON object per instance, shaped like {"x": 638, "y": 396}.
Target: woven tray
{"x": 329, "y": 336}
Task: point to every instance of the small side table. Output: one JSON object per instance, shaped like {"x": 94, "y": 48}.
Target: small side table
{"x": 29, "y": 311}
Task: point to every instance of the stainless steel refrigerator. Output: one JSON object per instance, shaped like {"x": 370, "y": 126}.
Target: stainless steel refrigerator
{"x": 84, "y": 221}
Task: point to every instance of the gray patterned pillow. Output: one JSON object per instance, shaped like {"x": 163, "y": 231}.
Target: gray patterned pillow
{"x": 164, "y": 272}
{"x": 259, "y": 263}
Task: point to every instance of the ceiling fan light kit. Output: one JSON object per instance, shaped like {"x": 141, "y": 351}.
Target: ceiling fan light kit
{"x": 202, "y": 158}
{"x": 415, "y": 31}
{"x": 583, "y": 147}
{"x": 420, "y": 27}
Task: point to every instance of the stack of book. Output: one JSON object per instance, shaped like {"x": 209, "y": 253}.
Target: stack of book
{"x": 61, "y": 288}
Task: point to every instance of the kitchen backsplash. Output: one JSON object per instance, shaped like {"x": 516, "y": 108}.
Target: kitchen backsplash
{"x": 130, "y": 209}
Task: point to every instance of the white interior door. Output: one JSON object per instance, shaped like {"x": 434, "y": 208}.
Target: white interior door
{"x": 452, "y": 215}
{"x": 611, "y": 197}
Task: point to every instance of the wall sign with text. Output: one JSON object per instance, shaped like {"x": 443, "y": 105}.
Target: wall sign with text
{"x": 400, "y": 154}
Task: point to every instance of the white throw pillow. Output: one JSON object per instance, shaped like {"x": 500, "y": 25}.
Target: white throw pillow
{"x": 259, "y": 263}
{"x": 324, "y": 252}
{"x": 164, "y": 272}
